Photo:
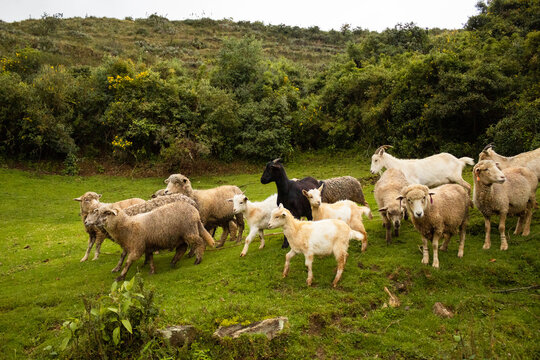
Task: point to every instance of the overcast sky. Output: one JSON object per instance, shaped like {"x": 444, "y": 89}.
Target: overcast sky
{"x": 367, "y": 14}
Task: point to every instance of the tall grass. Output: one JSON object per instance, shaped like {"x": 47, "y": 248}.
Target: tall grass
{"x": 43, "y": 283}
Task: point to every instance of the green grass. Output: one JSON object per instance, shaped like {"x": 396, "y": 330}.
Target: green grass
{"x": 42, "y": 281}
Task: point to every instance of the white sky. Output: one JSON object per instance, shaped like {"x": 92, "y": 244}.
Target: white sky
{"x": 368, "y": 14}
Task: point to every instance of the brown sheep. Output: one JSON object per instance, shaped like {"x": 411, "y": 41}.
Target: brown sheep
{"x": 439, "y": 212}
{"x": 172, "y": 226}
{"x": 88, "y": 202}
{"x": 214, "y": 205}
{"x": 343, "y": 188}
{"x": 511, "y": 191}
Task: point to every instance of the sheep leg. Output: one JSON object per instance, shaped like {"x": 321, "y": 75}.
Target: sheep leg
{"x": 261, "y": 235}
{"x": 341, "y": 260}
{"x": 388, "y": 225}
{"x": 233, "y": 231}
{"x": 99, "y": 240}
{"x": 288, "y": 258}
{"x": 91, "y": 241}
{"x": 309, "y": 264}
{"x": 130, "y": 259}
{"x": 502, "y": 229}
{"x": 249, "y": 239}
{"x": 520, "y": 222}
{"x": 180, "y": 251}
{"x": 462, "y": 232}
{"x": 528, "y": 217}
{"x": 240, "y": 224}
{"x": 149, "y": 258}
{"x": 444, "y": 245}
{"x": 487, "y": 226}
{"x": 425, "y": 251}
{"x": 120, "y": 262}
{"x": 435, "y": 245}
{"x": 198, "y": 246}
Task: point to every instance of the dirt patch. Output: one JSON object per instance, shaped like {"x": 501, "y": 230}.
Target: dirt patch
{"x": 317, "y": 323}
{"x": 401, "y": 280}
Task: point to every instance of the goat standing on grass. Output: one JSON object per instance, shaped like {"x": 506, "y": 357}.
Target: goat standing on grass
{"x": 345, "y": 210}
{"x": 312, "y": 238}
{"x": 289, "y": 191}
{"x": 432, "y": 171}
{"x": 436, "y": 213}
{"x": 511, "y": 191}
{"x": 257, "y": 215}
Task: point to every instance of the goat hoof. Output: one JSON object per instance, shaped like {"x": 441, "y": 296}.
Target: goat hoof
{"x": 486, "y": 247}
{"x": 198, "y": 261}
{"x": 84, "y": 259}
{"x": 115, "y": 270}
{"x": 120, "y": 278}
{"x": 242, "y": 254}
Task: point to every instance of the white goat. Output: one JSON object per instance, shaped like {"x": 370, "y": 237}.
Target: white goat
{"x": 311, "y": 238}
{"x": 345, "y": 210}
{"x": 529, "y": 159}
{"x": 432, "y": 171}
{"x": 257, "y": 215}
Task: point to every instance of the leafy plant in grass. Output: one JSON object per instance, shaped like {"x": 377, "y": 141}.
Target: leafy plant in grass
{"x": 115, "y": 325}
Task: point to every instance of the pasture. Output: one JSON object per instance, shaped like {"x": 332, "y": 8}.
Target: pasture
{"x": 42, "y": 282}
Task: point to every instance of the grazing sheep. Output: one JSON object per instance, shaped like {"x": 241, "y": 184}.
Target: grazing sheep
{"x": 345, "y": 210}
{"x": 529, "y": 159}
{"x": 441, "y": 212}
{"x": 311, "y": 238}
{"x": 434, "y": 170}
{"x": 88, "y": 202}
{"x": 171, "y": 226}
{"x": 387, "y": 189}
{"x": 343, "y": 188}
{"x": 214, "y": 207}
{"x": 257, "y": 215}
{"x": 511, "y": 191}
{"x": 289, "y": 191}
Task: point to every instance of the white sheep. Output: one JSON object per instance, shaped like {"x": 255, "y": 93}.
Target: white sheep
{"x": 432, "y": 171}
{"x": 257, "y": 215}
{"x": 511, "y": 191}
{"x": 311, "y": 238}
{"x": 529, "y": 159}
{"x": 439, "y": 212}
{"x": 386, "y": 191}
{"x": 344, "y": 210}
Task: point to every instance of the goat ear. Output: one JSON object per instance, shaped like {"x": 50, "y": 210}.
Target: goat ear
{"x": 78, "y": 199}
{"x": 245, "y": 198}
{"x": 304, "y": 192}
{"x": 280, "y": 206}
{"x": 320, "y": 188}
{"x": 230, "y": 200}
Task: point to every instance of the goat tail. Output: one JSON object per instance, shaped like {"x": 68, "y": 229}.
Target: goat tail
{"x": 205, "y": 234}
{"x": 360, "y": 236}
{"x": 467, "y": 160}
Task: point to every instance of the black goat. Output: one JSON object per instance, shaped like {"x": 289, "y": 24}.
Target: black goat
{"x": 289, "y": 191}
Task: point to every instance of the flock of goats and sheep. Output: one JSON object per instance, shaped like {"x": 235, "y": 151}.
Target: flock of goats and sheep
{"x": 429, "y": 191}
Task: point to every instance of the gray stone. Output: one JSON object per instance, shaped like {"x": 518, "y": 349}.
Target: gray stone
{"x": 268, "y": 327}
{"x": 441, "y": 310}
{"x": 179, "y": 335}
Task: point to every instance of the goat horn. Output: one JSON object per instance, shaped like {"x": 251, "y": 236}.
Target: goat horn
{"x": 488, "y": 146}
{"x": 381, "y": 149}
{"x": 275, "y": 161}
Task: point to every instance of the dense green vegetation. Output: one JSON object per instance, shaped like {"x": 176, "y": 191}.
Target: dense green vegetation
{"x": 44, "y": 284}
{"x": 147, "y": 89}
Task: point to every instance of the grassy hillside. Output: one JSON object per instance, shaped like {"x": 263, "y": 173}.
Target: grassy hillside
{"x": 43, "y": 282}
{"x": 84, "y": 41}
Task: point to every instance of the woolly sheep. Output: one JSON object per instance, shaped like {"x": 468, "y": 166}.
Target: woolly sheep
{"x": 343, "y": 188}
{"x": 439, "y": 212}
{"x": 311, "y": 238}
{"x": 511, "y": 191}
{"x": 386, "y": 191}
{"x": 171, "y": 226}
{"x": 344, "y": 210}
{"x": 434, "y": 170}
{"x": 529, "y": 159}
{"x": 88, "y": 202}
{"x": 214, "y": 207}
{"x": 257, "y": 215}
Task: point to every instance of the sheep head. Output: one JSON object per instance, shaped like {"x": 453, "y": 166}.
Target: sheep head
{"x": 488, "y": 172}
{"x": 417, "y": 198}
{"x": 178, "y": 184}
{"x": 394, "y": 213}
{"x": 377, "y": 159}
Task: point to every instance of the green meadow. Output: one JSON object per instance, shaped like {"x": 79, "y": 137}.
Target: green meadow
{"x": 493, "y": 294}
